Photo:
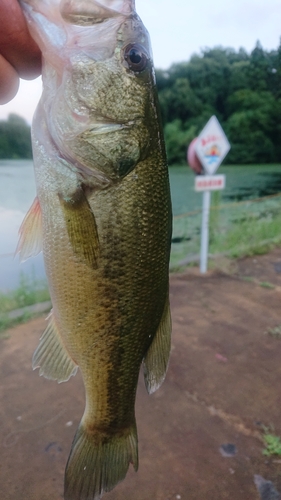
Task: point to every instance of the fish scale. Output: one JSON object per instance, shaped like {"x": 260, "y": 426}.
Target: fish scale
{"x": 103, "y": 214}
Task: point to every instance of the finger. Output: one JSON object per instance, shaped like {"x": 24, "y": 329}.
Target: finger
{"x": 16, "y": 43}
{"x": 9, "y": 81}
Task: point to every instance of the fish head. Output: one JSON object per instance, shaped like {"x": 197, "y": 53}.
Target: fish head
{"x": 103, "y": 115}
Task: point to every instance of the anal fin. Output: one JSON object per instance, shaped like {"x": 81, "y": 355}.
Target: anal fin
{"x": 51, "y": 356}
{"x": 30, "y": 233}
{"x": 156, "y": 359}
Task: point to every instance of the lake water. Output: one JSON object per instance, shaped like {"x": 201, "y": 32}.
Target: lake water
{"x": 242, "y": 183}
{"x": 17, "y": 191}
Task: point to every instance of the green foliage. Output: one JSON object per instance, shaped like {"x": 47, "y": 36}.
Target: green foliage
{"x": 272, "y": 443}
{"x": 274, "y": 332}
{"x": 30, "y": 291}
{"x": 7, "y": 322}
{"x": 176, "y": 139}
{"x": 235, "y": 230}
{"x": 214, "y": 221}
{"x": 15, "y": 140}
{"x": 242, "y": 90}
{"x": 266, "y": 284}
{"x": 247, "y": 231}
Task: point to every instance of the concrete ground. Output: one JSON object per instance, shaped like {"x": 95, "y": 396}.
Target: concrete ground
{"x": 200, "y": 435}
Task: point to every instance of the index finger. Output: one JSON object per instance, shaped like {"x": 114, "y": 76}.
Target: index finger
{"x": 16, "y": 44}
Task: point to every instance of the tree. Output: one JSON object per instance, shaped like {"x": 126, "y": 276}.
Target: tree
{"x": 258, "y": 69}
{"x": 249, "y": 144}
{"x": 179, "y": 101}
{"x": 251, "y": 127}
{"x": 242, "y": 90}
{"x": 177, "y": 138}
{"x": 15, "y": 140}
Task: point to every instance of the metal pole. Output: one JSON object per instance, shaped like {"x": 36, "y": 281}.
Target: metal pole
{"x": 205, "y": 232}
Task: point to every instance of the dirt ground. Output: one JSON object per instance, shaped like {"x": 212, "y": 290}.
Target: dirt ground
{"x": 223, "y": 385}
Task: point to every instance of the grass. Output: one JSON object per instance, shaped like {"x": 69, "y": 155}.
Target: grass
{"x": 272, "y": 443}
{"x": 248, "y": 278}
{"x": 30, "y": 291}
{"x": 248, "y": 228}
{"x": 236, "y": 230}
{"x": 274, "y": 332}
{"x": 266, "y": 284}
{"x": 6, "y": 322}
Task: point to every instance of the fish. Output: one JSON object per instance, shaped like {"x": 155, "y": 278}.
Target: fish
{"x": 102, "y": 217}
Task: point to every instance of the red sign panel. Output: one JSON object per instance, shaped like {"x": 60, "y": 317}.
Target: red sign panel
{"x": 209, "y": 182}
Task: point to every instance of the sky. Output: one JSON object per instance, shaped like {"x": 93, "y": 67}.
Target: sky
{"x": 180, "y": 28}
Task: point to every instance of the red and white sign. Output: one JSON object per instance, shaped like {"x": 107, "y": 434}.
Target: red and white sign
{"x": 209, "y": 182}
{"x": 212, "y": 146}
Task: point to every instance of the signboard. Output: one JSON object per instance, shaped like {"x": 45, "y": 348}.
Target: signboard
{"x": 209, "y": 182}
{"x": 212, "y": 146}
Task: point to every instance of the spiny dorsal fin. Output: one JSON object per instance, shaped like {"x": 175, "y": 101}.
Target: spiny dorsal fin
{"x": 81, "y": 228}
{"x": 156, "y": 359}
{"x": 30, "y": 233}
{"x": 51, "y": 356}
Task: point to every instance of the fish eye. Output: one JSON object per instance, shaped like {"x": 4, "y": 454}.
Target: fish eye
{"x": 136, "y": 57}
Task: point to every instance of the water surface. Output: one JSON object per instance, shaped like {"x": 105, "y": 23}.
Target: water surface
{"x": 17, "y": 191}
{"x": 242, "y": 183}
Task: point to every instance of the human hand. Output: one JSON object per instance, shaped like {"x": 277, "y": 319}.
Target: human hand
{"x": 20, "y": 57}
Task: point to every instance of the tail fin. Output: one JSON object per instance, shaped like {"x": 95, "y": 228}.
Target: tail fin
{"x": 97, "y": 463}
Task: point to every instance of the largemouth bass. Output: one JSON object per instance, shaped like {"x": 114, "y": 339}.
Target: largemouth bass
{"x": 102, "y": 216}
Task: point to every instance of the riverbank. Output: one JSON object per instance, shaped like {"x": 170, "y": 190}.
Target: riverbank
{"x": 201, "y": 436}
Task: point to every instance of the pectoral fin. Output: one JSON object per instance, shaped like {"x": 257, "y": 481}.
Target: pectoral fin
{"x": 51, "y": 356}
{"x": 30, "y": 233}
{"x": 81, "y": 228}
{"x": 156, "y": 360}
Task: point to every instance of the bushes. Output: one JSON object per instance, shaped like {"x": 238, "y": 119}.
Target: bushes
{"x": 15, "y": 140}
{"x": 242, "y": 90}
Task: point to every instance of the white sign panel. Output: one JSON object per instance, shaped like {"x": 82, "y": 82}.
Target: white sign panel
{"x": 209, "y": 182}
{"x": 212, "y": 146}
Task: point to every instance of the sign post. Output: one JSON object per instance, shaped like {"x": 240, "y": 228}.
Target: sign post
{"x": 210, "y": 148}
{"x": 205, "y": 231}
